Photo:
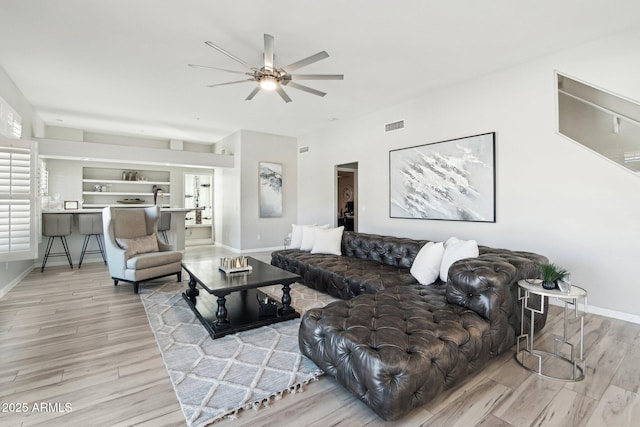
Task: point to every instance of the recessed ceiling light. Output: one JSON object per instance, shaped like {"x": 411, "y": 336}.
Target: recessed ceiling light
{"x": 334, "y": 119}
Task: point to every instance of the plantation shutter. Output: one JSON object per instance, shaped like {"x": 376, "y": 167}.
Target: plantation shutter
{"x": 17, "y": 200}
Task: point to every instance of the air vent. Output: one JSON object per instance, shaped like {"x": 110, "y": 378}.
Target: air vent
{"x": 390, "y": 127}
{"x": 304, "y": 150}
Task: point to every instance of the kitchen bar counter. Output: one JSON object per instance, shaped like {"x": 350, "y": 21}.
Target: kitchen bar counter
{"x": 176, "y": 234}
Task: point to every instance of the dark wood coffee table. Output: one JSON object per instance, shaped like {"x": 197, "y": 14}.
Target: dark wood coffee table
{"x": 231, "y": 301}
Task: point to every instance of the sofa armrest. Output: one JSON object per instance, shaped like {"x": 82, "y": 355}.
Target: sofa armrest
{"x": 488, "y": 285}
{"x": 484, "y": 287}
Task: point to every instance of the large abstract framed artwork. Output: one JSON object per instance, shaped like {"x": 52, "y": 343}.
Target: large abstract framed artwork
{"x": 270, "y": 189}
{"x": 450, "y": 180}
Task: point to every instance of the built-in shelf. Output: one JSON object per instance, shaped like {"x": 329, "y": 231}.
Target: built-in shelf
{"x": 103, "y": 187}
{"x": 119, "y": 181}
{"x": 120, "y": 205}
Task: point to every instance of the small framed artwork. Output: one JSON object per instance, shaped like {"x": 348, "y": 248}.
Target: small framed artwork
{"x": 70, "y": 204}
{"x": 270, "y": 189}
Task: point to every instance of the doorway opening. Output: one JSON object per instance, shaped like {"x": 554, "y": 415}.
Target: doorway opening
{"x": 198, "y": 195}
{"x": 347, "y": 196}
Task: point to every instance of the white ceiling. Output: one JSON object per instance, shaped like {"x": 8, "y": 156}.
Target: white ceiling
{"x": 120, "y": 66}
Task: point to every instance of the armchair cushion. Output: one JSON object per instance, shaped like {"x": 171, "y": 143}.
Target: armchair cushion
{"x": 153, "y": 259}
{"x": 138, "y": 245}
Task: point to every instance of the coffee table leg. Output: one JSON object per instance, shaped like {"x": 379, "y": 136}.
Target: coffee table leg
{"x": 192, "y": 292}
{"x": 286, "y": 300}
{"x": 221, "y": 314}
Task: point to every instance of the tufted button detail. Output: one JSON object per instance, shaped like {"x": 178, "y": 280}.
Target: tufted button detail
{"x": 405, "y": 343}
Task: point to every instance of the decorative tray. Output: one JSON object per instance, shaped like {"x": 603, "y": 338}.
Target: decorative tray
{"x": 131, "y": 201}
{"x": 235, "y": 269}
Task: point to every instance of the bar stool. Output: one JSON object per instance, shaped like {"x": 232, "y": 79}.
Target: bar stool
{"x": 164, "y": 224}
{"x": 91, "y": 225}
{"x": 56, "y": 225}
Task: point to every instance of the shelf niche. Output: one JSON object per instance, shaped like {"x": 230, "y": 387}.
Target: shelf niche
{"x": 103, "y": 187}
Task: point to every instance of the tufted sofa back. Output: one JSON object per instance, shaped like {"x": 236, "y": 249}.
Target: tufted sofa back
{"x": 394, "y": 251}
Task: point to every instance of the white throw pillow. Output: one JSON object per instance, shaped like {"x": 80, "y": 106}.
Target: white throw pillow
{"x": 426, "y": 265}
{"x": 455, "y": 250}
{"x": 296, "y": 236}
{"x": 328, "y": 241}
{"x": 309, "y": 236}
{"x": 450, "y": 240}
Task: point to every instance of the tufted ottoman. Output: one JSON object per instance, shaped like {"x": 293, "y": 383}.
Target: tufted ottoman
{"x": 397, "y": 349}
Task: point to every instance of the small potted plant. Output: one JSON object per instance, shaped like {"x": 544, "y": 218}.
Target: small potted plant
{"x": 551, "y": 273}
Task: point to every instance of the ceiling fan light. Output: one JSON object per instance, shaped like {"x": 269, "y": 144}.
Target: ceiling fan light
{"x": 268, "y": 83}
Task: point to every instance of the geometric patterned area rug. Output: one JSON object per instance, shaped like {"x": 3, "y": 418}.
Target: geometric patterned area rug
{"x": 214, "y": 379}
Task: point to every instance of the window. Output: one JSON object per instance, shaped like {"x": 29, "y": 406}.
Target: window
{"x": 17, "y": 200}
{"x": 605, "y": 123}
{"x": 10, "y": 121}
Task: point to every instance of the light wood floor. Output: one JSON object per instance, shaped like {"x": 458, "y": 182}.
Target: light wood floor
{"x": 71, "y": 337}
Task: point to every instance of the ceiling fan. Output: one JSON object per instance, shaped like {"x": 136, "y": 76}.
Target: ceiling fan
{"x": 269, "y": 77}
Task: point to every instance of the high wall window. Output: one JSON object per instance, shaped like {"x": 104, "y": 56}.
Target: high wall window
{"x": 605, "y": 123}
{"x": 17, "y": 200}
{"x": 10, "y": 121}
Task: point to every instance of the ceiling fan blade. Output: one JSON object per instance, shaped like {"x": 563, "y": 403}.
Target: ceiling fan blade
{"x": 230, "y": 55}
{"x": 218, "y": 69}
{"x": 305, "y": 88}
{"x": 252, "y": 94}
{"x": 283, "y": 94}
{"x": 314, "y": 77}
{"x": 306, "y": 61}
{"x": 231, "y": 83}
{"x": 268, "y": 52}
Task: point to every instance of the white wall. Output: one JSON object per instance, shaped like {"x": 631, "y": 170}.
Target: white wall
{"x": 256, "y": 147}
{"x": 227, "y": 194}
{"x": 240, "y": 227}
{"x": 553, "y": 196}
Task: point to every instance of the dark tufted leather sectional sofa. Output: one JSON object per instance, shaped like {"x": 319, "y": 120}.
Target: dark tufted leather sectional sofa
{"x": 396, "y": 344}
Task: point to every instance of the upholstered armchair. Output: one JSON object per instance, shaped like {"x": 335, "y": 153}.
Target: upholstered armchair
{"x": 134, "y": 252}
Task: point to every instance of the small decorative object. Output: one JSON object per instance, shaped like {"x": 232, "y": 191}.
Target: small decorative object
{"x": 234, "y": 264}
{"x": 267, "y": 307}
{"x": 70, "y": 204}
{"x": 97, "y": 188}
{"x": 564, "y": 284}
{"x": 158, "y": 195}
{"x": 551, "y": 273}
{"x": 131, "y": 201}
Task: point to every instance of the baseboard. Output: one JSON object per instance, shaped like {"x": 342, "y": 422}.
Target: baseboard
{"x": 229, "y": 248}
{"x": 271, "y": 249}
{"x": 248, "y": 251}
{"x": 197, "y": 242}
{"x": 6, "y": 288}
{"x": 633, "y": 318}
